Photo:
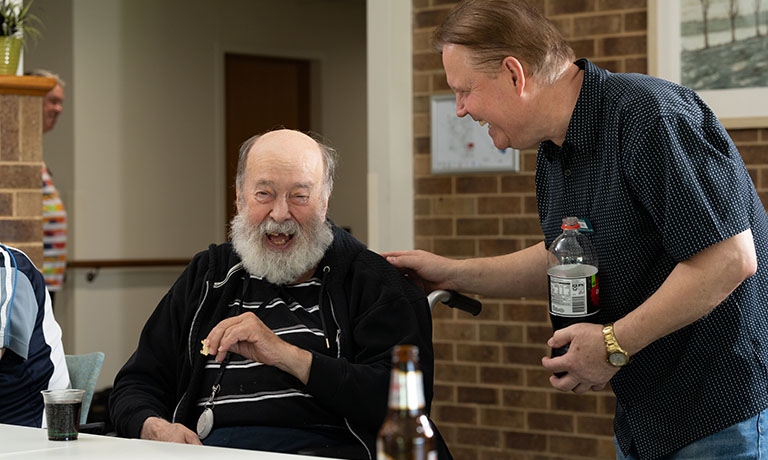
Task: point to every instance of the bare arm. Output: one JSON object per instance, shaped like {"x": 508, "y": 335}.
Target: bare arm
{"x": 519, "y": 274}
{"x": 692, "y": 289}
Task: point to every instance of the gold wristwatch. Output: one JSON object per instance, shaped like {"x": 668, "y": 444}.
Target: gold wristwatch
{"x": 617, "y": 357}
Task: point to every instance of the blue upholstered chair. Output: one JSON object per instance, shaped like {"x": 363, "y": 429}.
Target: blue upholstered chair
{"x": 83, "y": 372}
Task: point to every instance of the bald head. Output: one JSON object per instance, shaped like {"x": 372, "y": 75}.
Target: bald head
{"x": 285, "y": 143}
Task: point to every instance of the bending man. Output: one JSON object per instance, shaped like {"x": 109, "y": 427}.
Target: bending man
{"x": 680, "y": 232}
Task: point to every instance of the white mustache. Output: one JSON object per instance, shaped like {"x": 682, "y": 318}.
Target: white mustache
{"x": 289, "y": 227}
{"x": 280, "y": 267}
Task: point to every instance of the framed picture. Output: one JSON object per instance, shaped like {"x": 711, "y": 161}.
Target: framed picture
{"x": 461, "y": 145}
{"x": 718, "y": 48}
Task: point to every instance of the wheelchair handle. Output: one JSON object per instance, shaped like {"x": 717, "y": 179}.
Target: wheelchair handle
{"x": 455, "y": 300}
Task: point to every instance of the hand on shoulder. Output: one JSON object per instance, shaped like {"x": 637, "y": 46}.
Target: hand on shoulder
{"x": 428, "y": 271}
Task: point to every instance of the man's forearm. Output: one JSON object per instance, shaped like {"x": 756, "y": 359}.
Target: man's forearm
{"x": 692, "y": 290}
{"x": 519, "y": 274}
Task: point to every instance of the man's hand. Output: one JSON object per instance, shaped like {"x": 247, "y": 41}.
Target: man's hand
{"x": 585, "y": 363}
{"x": 249, "y": 337}
{"x": 428, "y": 271}
{"x": 157, "y": 429}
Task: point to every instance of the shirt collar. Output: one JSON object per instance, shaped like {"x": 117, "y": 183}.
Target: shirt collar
{"x": 583, "y": 128}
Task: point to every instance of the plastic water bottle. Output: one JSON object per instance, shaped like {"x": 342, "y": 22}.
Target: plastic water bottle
{"x": 574, "y": 292}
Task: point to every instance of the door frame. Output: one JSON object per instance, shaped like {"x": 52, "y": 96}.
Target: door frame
{"x": 219, "y": 137}
{"x": 303, "y": 70}
{"x": 390, "y": 191}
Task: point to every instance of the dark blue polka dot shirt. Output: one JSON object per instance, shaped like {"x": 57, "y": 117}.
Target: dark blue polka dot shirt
{"x": 648, "y": 163}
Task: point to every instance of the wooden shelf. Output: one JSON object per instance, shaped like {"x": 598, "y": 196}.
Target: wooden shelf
{"x": 26, "y": 85}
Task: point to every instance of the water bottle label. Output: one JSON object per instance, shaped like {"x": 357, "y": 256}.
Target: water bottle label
{"x": 573, "y": 290}
{"x": 585, "y": 226}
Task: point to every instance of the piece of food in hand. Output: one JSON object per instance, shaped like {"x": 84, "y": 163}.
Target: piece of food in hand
{"x": 205, "y": 350}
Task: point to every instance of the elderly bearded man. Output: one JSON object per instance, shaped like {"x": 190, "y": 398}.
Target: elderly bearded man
{"x": 297, "y": 317}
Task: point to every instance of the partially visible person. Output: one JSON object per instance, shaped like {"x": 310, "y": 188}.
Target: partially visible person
{"x": 680, "y": 233}
{"x": 54, "y": 214}
{"x": 53, "y": 102}
{"x": 297, "y": 318}
{"x": 31, "y": 353}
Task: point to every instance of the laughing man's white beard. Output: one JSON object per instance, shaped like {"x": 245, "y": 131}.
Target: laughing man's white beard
{"x": 308, "y": 246}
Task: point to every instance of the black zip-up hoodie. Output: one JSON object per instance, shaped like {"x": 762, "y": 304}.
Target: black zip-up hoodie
{"x": 368, "y": 308}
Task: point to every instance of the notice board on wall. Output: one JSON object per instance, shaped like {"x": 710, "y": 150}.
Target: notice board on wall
{"x": 461, "y": 145}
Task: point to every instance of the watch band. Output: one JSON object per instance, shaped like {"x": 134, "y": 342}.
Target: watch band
{"x": 615, "y": 355}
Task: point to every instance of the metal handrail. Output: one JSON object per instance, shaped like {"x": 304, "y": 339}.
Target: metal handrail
{"x": 95, "y": 265}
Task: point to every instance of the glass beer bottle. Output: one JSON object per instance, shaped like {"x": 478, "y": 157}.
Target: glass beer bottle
{"x": 406, "y": 433}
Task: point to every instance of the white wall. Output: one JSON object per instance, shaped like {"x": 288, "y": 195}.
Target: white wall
{"x": 390, "y": 125}
{"x": 142, "y": 161}
{"x": 153, "y": 111}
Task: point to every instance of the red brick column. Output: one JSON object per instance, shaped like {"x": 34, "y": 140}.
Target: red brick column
{"x": 21, "y": 161}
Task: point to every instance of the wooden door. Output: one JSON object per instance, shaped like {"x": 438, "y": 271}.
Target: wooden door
{"x": 261, "y": 93}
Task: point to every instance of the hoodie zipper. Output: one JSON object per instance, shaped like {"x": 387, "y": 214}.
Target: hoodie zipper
{"x": 324, "y": 291}
{"x": 189, "y": 347}
{"x": 338, "y": 328}
{"x": 326, "y": 271}
{"x": 194, "y": 320}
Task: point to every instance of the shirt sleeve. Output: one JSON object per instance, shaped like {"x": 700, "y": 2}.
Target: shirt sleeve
{"x": 18, "y": 305}
{"x": 689, "y": 177}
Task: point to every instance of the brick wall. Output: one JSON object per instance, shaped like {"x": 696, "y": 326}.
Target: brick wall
{"x": 493, "y": 400}
{"x": 21, "y": 160}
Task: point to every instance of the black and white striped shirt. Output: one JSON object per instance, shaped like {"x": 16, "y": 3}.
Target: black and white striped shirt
{"x": 255, "y": 394}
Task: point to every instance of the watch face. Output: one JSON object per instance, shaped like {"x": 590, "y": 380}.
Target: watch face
{"x": 617, "y": 359}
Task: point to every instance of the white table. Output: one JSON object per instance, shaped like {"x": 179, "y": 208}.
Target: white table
{"x": 32, "y": 443}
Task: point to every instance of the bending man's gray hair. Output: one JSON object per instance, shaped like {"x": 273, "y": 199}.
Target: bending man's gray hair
{"x": 48, "y": 74}
{"x": 330, "y": 160}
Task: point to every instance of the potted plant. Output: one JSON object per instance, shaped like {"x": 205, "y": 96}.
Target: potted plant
{"x": 17, "y": 25}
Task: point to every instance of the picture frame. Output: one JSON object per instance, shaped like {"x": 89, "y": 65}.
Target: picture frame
{"x": 735, "y": 107}
{"x": 461, "y": 145}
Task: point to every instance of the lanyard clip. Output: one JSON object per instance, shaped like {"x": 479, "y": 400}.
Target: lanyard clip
{"x": 214, "y": 389}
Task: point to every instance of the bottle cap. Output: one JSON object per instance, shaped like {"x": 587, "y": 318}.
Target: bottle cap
{"x": 570, "y": 223}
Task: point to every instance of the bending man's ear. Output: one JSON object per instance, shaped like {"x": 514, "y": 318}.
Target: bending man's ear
{"x": 512, "y": 69}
